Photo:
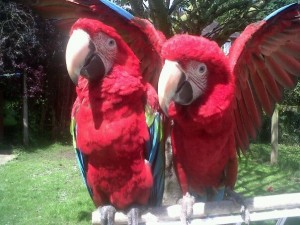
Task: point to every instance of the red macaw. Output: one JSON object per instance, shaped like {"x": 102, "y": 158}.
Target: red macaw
{"x": 216, "y": 102}
{"x": 116, "y": 125}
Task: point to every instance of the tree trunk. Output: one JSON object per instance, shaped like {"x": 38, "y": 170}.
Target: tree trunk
{"x": 137, "y": 7}
{"x": 43, "y": 117}
{"x": 25, "y": 112}
{"x": 159, "y": 15}
{"x": 274, "y": 137}
{"x": 1, "y": 116}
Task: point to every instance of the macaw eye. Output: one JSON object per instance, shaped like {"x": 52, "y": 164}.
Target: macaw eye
{"x": 111, "y": 42}
{"x": 202, "y": 68}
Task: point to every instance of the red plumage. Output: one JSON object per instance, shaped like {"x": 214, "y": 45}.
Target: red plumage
{"x": 111, "y": 128}
{"x": 202, "y": 137}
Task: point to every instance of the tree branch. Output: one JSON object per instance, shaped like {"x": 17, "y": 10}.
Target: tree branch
{"x": 174, "y": 5}
{"x": 137, "y": 7}
{"x": 159, "y": 15}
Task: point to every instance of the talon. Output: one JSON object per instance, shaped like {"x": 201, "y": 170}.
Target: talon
{"x": 133, "y": 216}
{"x": 107, "y": 215}
{"x": 237, "y": 198}
{"x": 245, "y": 214}
{"x": 187, "y": 208}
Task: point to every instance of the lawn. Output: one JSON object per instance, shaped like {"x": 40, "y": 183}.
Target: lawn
{"x": 43, "y": 185}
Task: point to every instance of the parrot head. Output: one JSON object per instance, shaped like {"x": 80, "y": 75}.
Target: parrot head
{"x": 192, "y": 67}
{"x": 93, "y": 49}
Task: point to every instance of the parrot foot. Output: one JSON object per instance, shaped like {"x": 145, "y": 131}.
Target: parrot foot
{"x": 133, "y": 216}
{"x": 187, "y": 203}
{"x": 107, "y": 215}
{"x": 239, "y": 199}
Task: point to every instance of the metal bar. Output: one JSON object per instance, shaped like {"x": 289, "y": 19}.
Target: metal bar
{"x": 281, "y": 221}
{"x": 261, "y": 208}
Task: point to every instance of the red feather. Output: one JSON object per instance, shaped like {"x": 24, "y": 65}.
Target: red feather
{"x": 112, "y": 130}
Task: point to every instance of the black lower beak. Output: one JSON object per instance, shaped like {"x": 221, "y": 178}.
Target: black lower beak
{"x": 184, "y": 92}
{"x": 93, "y": 68}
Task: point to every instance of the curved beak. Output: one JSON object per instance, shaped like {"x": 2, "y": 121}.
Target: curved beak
{"x": 169, "y": 79}
{"x": 81, "y": 58}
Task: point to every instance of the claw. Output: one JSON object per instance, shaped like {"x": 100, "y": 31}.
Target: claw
{"x": 245, "y": 214}
{"x": 107, "y": 215}
{"x": 133, "y": 216}
{"x": 187, "y": 208}
{"x": 237, "y": 198}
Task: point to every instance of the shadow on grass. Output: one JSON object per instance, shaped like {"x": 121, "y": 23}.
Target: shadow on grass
{"x": 13, "y": 139}
{"x": 5, "y": 149}
{"x": 44, "y": 145}
{"x": 84, "y": 216}
{"x": 260, "y": 178}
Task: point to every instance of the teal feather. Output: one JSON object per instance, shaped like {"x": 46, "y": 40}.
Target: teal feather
{"x": 279, "y": 11}
{"x": 117, "y": 9}
{"x": 80, "y": 157}
{"x": 155, "y": 155}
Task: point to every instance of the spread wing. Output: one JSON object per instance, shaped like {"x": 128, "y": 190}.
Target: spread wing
{"x": 265, "y": 59}
{"x": 140, "y": 34}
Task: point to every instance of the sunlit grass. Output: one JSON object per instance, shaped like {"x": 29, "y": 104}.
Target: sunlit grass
{"x": 43, "y": 186}
{"x": 257, "y": 177}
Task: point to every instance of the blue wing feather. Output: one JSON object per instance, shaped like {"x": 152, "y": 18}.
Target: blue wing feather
{"x": 156, "y": 157}
{"x": 117, "y": 9}
{"x": 278, "y": 11}
{"x": 80, "y": 157}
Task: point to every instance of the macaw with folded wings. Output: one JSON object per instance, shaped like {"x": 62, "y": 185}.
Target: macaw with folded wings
{"x": 114, "y": 60}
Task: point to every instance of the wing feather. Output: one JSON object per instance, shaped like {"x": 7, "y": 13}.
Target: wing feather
{"x": 240, "y": 131}
{"x": 80, "y": 157}
{"x": 289, "y": 63}
{"x": 259, "y": 88}
{"x": 155, "y": 147}
{"x": 292, "y": 48}
{"x": 267, "y": 78}
{"x": 265, "y": 58}
{"x": 140, "y": 34}
{"x": 250, "y": 102}
{"x": 279, "y": 74}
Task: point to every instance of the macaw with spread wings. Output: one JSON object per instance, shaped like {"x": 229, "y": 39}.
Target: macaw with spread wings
{"x": 216, "y": 102}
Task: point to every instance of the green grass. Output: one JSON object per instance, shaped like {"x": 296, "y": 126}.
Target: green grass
{"x": 44, "y": 186}
{"x": 257, "y": 177}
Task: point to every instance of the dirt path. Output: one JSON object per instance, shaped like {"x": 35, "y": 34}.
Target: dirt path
{"x": 5, "y": 157}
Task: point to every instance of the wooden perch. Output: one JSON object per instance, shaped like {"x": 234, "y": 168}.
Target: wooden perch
{"x": 224, "y": 212}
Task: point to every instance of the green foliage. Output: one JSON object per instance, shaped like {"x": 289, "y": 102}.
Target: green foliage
{"x": 292, "y": 97}
{"x": 257, "y": 177}
{"x": 33, "y": 46}
{"x": 264, "y": 134}
{"x": 288, "y": 160}
{"x": 24, "y": 39}
{"x": 289, "y": 127}
{"x": 194, "y": 16}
